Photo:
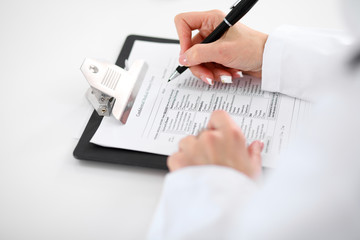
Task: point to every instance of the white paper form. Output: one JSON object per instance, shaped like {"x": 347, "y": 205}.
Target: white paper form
{"x": 164, "y": 113}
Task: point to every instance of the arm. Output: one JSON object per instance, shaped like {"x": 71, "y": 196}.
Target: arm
{"x": 239, "y": 49}
{"x": 294, "y": 61}
{"x": 303, "y": 200}
{"x": 313, "y": 194}
{"x": 302, "y": 62}
{"x": 210, "y": 183}
{"x": 198, "y": 199}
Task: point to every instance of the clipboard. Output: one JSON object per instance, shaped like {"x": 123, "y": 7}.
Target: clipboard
{"x": 85, "y": 150}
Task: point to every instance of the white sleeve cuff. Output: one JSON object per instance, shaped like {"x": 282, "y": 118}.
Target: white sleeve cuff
{"x": 198, "y": 198}
{"x": 302, "y": 62}
{"x": 272, "y": 58}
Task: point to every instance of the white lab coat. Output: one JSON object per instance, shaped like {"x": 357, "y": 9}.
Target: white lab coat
{"x": 314, "y": 193}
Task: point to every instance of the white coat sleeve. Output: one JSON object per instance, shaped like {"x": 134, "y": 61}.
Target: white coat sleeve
{"x": 301, "y": 62}
{"x": 198, "y": 199}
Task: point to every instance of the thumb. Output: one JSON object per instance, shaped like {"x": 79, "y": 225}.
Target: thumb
{"x": 200, "y": 53}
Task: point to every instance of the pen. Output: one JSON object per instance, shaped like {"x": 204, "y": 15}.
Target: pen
{"x": 238, "y": 10}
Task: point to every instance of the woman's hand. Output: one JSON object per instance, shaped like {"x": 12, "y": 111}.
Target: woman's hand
{"x": 239, "y": 49}
{"x": 223, "y": 144}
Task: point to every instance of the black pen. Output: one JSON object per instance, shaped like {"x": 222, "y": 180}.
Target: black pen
{"x": 238, "y": 10}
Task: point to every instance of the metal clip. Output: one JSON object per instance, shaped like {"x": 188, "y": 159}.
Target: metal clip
{"x": 235, "y": 4}
{"x": 113, "y": 89}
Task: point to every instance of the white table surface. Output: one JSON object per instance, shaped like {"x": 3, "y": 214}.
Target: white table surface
{"x": 45, "y": 192}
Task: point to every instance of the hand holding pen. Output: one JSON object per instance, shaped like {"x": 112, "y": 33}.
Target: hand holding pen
{"x": 238, "y": 49}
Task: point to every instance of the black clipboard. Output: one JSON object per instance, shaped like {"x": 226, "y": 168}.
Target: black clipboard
{"x": 85, "y": 150}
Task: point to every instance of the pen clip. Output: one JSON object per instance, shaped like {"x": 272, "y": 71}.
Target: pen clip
{"x": 235, "y": 4}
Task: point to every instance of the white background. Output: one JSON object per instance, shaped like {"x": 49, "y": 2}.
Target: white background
{"x": 44, "y": 192}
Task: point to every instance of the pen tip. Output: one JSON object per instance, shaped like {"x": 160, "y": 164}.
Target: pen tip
{"x": 173, "y": 76}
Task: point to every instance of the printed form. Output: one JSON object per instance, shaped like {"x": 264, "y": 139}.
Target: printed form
{"x": 164, "y": 113}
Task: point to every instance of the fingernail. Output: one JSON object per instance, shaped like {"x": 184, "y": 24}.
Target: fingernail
{"x": 226, "y": 79}
{"x": 240, "y": 74}
{"x": 207, "y": 80}
{"x": 182, "y": 60}
{"x": 210, "y": 81}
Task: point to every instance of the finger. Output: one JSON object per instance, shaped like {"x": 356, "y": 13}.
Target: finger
{"x": 221, "y": 73}
{"x": 210, "y": 72}
{"x": 187, "y": 22}
{"x": 202, "y": 130}
{"x": 184, "y": 30}
{"x": 217, "y": 52}
{"x": 203, "y": 73}
{"x": 254, "y": 74}
{"x": 176, "y": 161}
{"x": 198, "y": 38}
{"x": 255, "y": 149}
{"x": 221, "y": 120}
{"x": 235, "y": 73}
{"x": 186, "y": 143}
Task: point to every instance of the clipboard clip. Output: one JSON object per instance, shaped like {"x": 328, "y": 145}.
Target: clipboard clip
{"x": 113, "y": 89}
